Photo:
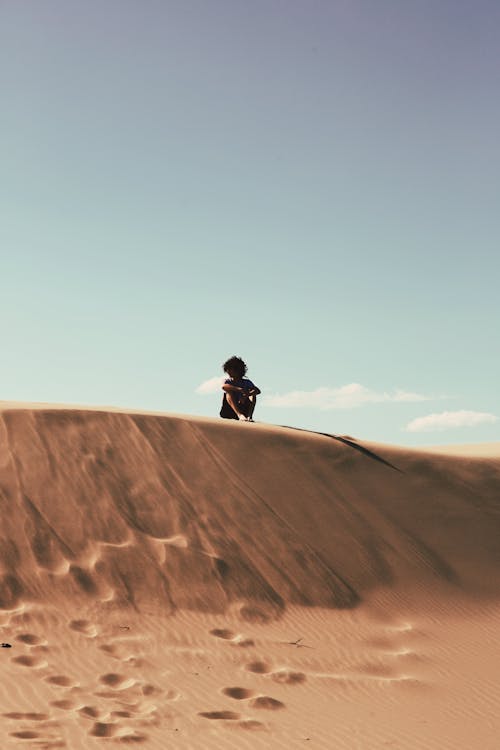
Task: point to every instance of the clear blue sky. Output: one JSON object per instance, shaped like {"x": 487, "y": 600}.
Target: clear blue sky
{"x": 311, "y": 185}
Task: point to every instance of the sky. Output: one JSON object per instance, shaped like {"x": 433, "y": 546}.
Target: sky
{"x": 312, "y": 186}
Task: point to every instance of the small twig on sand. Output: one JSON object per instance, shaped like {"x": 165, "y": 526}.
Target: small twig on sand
{"x": 297, "y": 643}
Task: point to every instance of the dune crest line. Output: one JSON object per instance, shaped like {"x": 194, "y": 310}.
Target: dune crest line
{"x": 135, "y": 510}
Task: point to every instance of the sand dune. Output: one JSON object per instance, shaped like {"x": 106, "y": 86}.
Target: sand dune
{"x": 179, "y": 580}
{"x": 477, "y": 450}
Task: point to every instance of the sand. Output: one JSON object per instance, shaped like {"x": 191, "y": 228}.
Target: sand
{"x": 172, "y": 581}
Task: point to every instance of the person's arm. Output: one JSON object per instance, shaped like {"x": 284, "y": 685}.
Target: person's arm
{"x": 252, "y": 389}
{"x": 232, "y": 388}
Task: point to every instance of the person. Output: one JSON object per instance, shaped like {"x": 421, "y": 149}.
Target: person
{"x": 240, "y": 394}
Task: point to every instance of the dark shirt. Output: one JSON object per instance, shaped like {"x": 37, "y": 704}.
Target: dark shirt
{"x": 245, "y": 383}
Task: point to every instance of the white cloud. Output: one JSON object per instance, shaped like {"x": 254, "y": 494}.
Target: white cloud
{"x": 212, "y": 385}
{"x": 448, "y": 420}
{"x": 346, "y": 397}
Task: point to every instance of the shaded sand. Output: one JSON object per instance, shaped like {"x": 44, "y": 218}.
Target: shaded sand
{"x": 171, "y": 581}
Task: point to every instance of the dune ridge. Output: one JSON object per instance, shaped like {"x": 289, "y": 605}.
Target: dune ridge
{"x": 139, "y": 510}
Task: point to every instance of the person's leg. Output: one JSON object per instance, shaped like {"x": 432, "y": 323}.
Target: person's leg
{"x": 231, "y": 399}
{"x": 227, "y": 411}
{"x": 252, "y": 401}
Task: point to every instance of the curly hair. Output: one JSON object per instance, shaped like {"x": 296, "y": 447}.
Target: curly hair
{"x": 235, "y": 364}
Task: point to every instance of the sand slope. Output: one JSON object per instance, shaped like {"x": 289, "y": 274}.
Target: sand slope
{"x": 189, "y": 577}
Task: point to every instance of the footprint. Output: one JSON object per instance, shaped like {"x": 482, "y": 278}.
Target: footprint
{"x": 30, "y": 661}
{"x": 134, "y": 661}
{"x": 102, "y": 729}
{"x": 30, "y": 639}
{"x": 85, "y": 627}
{"x": 226, "y": 715}
{"x": 116, "y": 681}
{"x": 41, "y": 649}
{"x": 43, "y": 741}
{"x": 90, "y": 711}
{"x": 172, "y": 695}
{"x": 65, "y": 705}
{"x": 132, "y": 738}
{"x": 123, "y": 650}
{"x": 109, "y": 648}
{"x": 143, "y": 709}
{"x": 60, "y": 680}
{"x": 27, "y": 716}
{"x": 286, "y": 677}
{"x": 224, "y": 633}
{"x": 259, "y": 667}
{"x": 149, "y": 689}
{"x": 236, "y": 638}
{"x": 264, "y": 701}
{"x": 238, "y": 693}
{"x": 251, "y": 724}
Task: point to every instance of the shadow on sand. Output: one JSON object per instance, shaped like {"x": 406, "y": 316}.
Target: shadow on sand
{"x": 351, "y": 443}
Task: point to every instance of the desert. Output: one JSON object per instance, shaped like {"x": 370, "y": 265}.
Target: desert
{"x": 178, "y": 581}
{"x": 249, "y": 402}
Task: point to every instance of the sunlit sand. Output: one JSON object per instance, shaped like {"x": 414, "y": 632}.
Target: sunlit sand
{"x": 175, "y": 581}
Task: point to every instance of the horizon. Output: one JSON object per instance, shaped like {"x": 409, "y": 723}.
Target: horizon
{"x": 491, "y": 447}
{"x": 313, "y": 189}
